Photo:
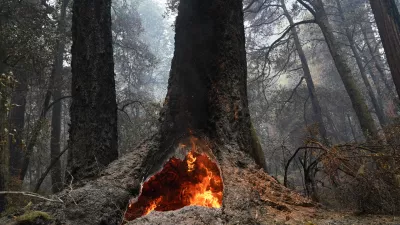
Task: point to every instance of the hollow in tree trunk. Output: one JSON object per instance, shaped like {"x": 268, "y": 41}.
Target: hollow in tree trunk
{"x": 207, "y": 94}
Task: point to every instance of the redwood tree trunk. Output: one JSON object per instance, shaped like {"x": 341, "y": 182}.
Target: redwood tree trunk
{"x": 387, "y": 18}
{"x": 93, "y": 130}
{"x": 207, "y": 94}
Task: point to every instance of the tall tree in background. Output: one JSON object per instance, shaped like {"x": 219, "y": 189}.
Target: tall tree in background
{"x": 93, "y": 133}
{"x": 363, "y": 72}
{"x": 56, "y": 177}
{"x": 359, "y": 104}
{"x": 307, "y": 75}
{"x": 387, "y": 18}
{"x": 17, "y": 122}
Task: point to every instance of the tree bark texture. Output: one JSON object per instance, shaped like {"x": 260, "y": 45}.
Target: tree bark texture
{"x": 93, "y": 130}
{"x": 207, "y": 92}
{"x": 358, "y": 102}
{"x": 387, "y": 18}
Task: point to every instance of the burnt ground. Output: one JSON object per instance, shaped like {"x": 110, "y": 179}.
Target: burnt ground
{"x": 250, "y": 197}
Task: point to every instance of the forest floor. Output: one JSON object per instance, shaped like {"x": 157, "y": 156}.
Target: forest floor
{"x": 347, "y": 218}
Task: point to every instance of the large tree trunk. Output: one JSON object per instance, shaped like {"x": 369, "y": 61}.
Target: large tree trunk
{"x": 359, "y": 104}
{"x": 56, "y": 175}
{"x": 387, "y": 18}
{"x": 207, "y": 94}
{"x": 378, "y": 110}
{"x": 93, "y": 131}
{"x": 307, "y": 76}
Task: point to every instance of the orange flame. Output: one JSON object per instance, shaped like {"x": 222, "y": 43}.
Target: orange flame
{"x": 195, "y": 180}
{"x": 152, "y": 205}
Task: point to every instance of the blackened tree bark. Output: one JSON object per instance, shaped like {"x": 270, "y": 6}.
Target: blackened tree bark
{"x": 56, "y": 177}
{"x": 207, "y": 92}
{"x": 387, "y": 18}
{"x": 358, "y": 102}
{"x": 307, "y": 76}
{"x": 93, "y": 131}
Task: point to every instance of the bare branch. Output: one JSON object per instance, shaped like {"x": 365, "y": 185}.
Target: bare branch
{"x": 31, "y": 195}
{"x": 53, "y": 162}
{"x": 288, "y": 29}
{"x": 308, "y": 7}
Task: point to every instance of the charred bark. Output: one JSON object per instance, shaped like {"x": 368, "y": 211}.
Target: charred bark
{"x": 207, "y": 94}
{"x": 93, "y": 130}
{"x": 387, "y": 18}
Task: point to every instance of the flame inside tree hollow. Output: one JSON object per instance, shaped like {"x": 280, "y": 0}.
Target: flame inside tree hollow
{"x": 195, "y": 180}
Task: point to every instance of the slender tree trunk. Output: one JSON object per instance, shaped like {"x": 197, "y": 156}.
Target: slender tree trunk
{"x": 17, "y": 123}
{"x": 37, "y": 128}
{"x": 207, "y": 91}
{"x": 387, "y": 18}
{"x": 378, "y": 110}
{"x": 376, "y": 59}
{"x": 93, "y": 131}
{"x": 6, "y": 86}
{"x": 3, "y": 150}
{"x": 380, "y": 93}
{"x": 56, "y": 177}
{"x": 307, "y": 76}
{"x": 375, "y": 68}
{"x": 359, "y": 104}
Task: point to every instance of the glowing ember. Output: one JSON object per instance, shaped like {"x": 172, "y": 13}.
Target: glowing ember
{"x": 190, "y": 161}
{"x": 196, "y": 180}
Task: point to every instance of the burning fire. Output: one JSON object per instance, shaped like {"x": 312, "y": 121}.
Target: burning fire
{"x": 195, "y": 180}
